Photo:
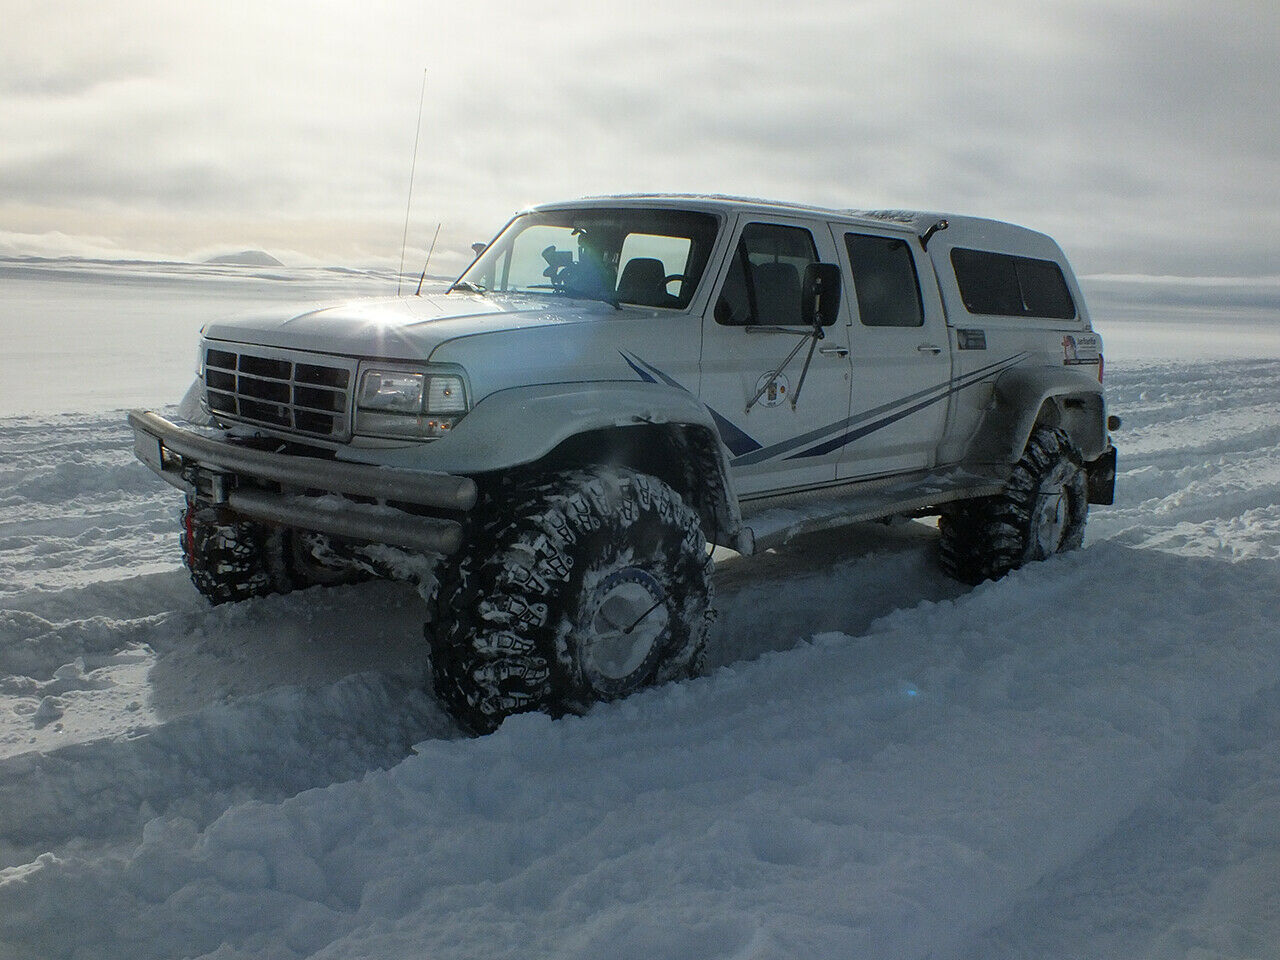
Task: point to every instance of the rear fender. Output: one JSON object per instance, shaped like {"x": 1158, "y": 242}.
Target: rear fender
{"x": 1050, "y": 396}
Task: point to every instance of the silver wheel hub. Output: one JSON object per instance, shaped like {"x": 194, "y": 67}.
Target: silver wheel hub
{"x": 627, "y": 618}
{"x": 1049, "y": 519}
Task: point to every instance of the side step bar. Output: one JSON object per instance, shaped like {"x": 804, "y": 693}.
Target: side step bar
{"x": 772, "y": 521}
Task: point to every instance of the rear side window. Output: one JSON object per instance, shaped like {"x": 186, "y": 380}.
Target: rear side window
{"x": 885, "y": 281}
{"x": 1007, "y": 286}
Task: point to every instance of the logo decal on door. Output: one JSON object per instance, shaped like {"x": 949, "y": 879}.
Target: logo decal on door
{"x": 777, "y": 391}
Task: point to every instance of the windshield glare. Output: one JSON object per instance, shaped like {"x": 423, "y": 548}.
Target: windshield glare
{"x": 649, "y": 257}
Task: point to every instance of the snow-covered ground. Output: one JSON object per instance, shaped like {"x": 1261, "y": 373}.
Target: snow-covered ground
{"x": 1082, "y": 760}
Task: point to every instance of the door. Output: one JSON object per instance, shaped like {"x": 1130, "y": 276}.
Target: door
{"x": 899, "y": 356}
{"x": 772, "y": 412}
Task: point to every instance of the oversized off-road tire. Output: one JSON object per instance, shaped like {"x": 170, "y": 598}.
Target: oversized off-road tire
{"x": 1042, "y": 511}
{"x": 231, "y": 558}
{"x": 575, "y": 587}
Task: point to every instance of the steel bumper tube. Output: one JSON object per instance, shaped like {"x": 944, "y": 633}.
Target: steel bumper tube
{"x": 166, "y": 448}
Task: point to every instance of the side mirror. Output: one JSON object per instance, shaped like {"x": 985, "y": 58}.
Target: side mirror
{"x": 820, "y": 295}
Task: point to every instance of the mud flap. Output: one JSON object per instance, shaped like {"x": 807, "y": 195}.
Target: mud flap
{"x": 1102, "y": 478}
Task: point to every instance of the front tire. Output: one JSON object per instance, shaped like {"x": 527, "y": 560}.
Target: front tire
{"x": 1042, "y": 511}
{"x": 231, "y": 558}
{"x": 578, "y": 587}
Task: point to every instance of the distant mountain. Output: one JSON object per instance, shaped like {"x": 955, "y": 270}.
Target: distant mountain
{"x": 247, "y": 258}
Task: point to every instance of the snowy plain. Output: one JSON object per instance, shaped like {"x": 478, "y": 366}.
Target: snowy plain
{"x": 1082, "y": 760}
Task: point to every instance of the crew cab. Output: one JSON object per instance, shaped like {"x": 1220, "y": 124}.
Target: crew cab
{"x": 550, "y": 444}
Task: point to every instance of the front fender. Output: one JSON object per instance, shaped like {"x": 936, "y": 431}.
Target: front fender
{"x": 1061, "y": 396}
{"x": 523, "y": 424}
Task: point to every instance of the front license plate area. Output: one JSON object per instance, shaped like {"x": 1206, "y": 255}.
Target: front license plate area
{"x": 149, "y": 450}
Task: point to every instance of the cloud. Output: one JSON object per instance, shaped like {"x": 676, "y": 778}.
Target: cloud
{"x": 1139, "y": 135}
{"x": 55, "y": 245}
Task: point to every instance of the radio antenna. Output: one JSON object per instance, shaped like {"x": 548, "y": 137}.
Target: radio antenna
{"x": 413, "y": 167}
{"x": 431, "y": 250}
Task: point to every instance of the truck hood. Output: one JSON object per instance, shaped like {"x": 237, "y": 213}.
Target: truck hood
{"x": 401, "y": 328}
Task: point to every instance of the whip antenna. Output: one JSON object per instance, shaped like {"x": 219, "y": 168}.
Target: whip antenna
{"x": 430, "y": 250}
{"x": 404, "y": 239}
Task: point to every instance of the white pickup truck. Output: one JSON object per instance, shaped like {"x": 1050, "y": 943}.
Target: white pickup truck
{"x": 616, "y": 383}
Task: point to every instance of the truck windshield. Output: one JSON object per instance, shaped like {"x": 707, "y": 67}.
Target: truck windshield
{"x": 649, "y": 257}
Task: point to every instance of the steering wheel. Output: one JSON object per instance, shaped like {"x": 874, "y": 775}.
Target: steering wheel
{"x": 672, "y": 279}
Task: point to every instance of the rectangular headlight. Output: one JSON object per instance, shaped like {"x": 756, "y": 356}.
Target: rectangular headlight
{"x": 391, "y": 391}
{"x": 398, "y": 403}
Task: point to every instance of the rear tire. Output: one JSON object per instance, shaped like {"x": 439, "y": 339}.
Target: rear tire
{"x": 577, "y": 587}
{"x": 1042, "y": 511}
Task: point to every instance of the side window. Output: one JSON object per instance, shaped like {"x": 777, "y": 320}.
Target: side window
{"x": 1044, "y": 291}
{"x": 647, "y": 261}
{"x": 885, "y": 281}
{"x": 1007, "y": 286}
{"x": 763, "y": 283}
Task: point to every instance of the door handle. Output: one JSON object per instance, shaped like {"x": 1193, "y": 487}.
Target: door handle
{"x": 834, "y": 351}
{"x": 929, "y": 348}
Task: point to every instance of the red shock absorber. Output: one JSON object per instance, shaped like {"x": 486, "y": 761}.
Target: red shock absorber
{"x": 188, "y": 523}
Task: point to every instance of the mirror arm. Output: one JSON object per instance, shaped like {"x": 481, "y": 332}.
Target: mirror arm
{"x": 814, "y": 336}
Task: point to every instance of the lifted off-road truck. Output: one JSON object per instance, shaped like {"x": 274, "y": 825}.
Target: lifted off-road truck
{"x": 614, "y": 384}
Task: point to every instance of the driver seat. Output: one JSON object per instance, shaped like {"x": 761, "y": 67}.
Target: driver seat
{"x": 643, "y": 282}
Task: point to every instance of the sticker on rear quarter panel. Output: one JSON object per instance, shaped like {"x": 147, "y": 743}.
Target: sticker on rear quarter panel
{"x": 1083, "y": 348}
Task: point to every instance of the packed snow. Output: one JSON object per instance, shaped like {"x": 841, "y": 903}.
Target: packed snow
{"x": 1082, "y": 760}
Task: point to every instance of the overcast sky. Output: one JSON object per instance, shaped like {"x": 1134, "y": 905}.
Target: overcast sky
{"x": 1142, "y": 134}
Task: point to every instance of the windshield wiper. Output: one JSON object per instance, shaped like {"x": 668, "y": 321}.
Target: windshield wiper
{"x": 468, "y": 286}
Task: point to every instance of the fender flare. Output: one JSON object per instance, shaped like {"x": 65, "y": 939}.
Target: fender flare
{"x": 1025, "y": 396}
{"x": 521, "y": 425}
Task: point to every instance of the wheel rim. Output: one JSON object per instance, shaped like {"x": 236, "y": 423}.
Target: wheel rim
{"x": 628, "y": 617}
{"x": 1050, "y": 518}
{"x": 305, "y": 561}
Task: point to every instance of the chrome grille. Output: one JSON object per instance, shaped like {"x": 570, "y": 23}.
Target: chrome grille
{"x": 296, "y": 392}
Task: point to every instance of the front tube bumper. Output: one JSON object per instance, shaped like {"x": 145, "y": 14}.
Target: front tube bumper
{"x": 173, "y": 453}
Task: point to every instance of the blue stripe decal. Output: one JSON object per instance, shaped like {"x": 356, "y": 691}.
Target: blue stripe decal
{"x": 747, "y": 451}
{"x": 734, "y": 438}
{"x": 835, "y": 443}
{"x": 786, "y": 446}
{"x": 844, "y": 439}
{"x": 943, "y": 389}
{"x": 642, "y": 374}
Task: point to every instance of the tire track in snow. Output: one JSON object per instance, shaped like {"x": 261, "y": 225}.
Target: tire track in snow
{"x": 275, "y": 696}
{"x": 265, "y": 747}
{"x": 76, "y": 507}
{"x": 1198, "y": 449}
{"x": 1192, "y": 872}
